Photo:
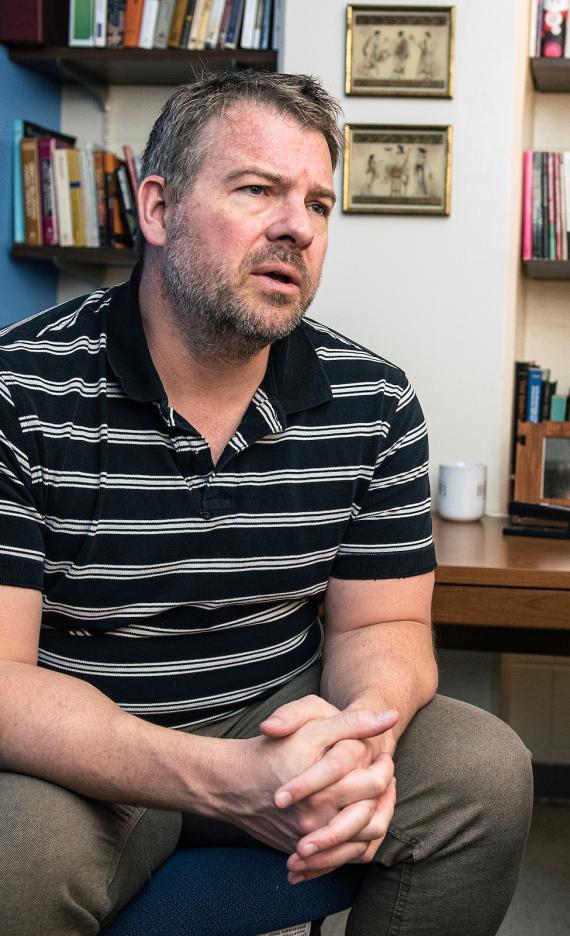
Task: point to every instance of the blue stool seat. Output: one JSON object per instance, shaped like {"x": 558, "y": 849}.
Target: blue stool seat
{"x": 231, "y": 892}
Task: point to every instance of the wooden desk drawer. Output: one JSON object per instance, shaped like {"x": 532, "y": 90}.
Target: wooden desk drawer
{"x": 487, "y": 606}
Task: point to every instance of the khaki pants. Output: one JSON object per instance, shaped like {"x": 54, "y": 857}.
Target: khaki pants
{"x": 448, "y": 866}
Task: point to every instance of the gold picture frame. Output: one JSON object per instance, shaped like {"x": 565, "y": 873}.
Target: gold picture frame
{"x": 397, "y": 169}
{"x": 400, "y": 51}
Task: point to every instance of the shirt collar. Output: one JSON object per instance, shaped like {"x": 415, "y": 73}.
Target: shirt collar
{"x": 295, "y": 375}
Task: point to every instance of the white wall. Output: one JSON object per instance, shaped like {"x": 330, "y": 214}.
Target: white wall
{"x": 437, "y": 295}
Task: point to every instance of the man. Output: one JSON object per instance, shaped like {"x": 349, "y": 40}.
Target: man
{"x": 188, "y": 470}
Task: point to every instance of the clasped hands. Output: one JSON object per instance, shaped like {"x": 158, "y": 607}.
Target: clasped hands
{"x": 334, "y": 797}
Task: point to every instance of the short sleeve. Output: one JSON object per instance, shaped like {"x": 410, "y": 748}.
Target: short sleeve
{"x": 390, "y": 535}
{"x": 21, "y": 525}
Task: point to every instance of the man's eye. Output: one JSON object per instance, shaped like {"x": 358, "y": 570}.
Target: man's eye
{"x": 254, "y": 189}
{"x": 320, "y": 209}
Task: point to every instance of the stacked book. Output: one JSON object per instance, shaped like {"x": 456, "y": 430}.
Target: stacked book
{"x": 536, "y": 399}
{"x": 175, "y": 24}
{"x": 549, "y": 31}
{"x": 69, "y": 195}
{"x": 546, "y": 205}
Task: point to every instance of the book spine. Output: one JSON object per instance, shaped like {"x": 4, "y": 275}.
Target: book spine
{"x": 126, "y": 202}
{"x": 545, "y": 231}
{"x": 266, "y": 24}
{"x": 566, "y": 157}
{"x": 17, "y": 182}
{"x": 81, "y": 23}
{"x": 257, "y": 26}
{"x": 214, "y": 23}
{"x": 31, "y": 186}
{"x": 248, "y": 27}
{"x": 75, "y": 197}
{"x": 548, "y": 391}
{"x": 234, "y": 27}
{"x": 195, "y": 24}
{"x": 100, "y": 23}
{"x": 187, "y": 24}
{"x": 532, "y": 29}
{"x": 277, "y": 26}
{"x": 101, "y": 198}
{"x": 177, "y": 24}
{"x": 62, "y": 199}
{"x": 558, "y": 407}
{"x": 554, "y": 32}
{"x": 519, "y": 407}
{"x": 551, "y": 254}
{"x": 534, "y": 395}
{"x": 163, "y": 24}
{"x": 88, "y": 195}
{"x": 131, "y": 169}
{"x": 563, "y": 208}
{"x": 224, "y": 24}
{"x": 536, "y": 206}
{"x": 115, "y": 23}
{"x": 30, "y": 129}
{"x": 203, "y": 25}
{"x": 539, "y": 13}
{"x": 118, "y": 236}
{"x": 148, "y": 24}
{"x": 527, "y": 206}
{"x": 557, "y": 206}
{"x": 133, "y": 16}
{"x": 46, "y": 146}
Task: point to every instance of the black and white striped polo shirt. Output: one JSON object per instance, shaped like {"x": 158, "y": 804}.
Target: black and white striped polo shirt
{"x": 186, "y": 591}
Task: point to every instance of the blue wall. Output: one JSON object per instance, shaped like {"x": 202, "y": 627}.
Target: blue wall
{"x": 26, "y": 287}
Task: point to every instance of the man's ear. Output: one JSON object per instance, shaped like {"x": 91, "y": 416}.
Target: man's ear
{"x": 151, "y": 206}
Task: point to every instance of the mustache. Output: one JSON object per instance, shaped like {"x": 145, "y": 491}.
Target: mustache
{"x": 280, "y": 255}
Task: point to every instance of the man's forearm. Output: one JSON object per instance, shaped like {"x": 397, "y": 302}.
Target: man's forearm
{"x": 378, "y": 667}
{"x": 62, "y": 729}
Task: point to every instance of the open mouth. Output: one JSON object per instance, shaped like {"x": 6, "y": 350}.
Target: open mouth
{"x": 277, "y": 277}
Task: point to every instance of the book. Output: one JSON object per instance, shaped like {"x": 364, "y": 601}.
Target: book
{"x": 75, "y": 197}
{"x": 563, "y": 209}
{"x": 115, "y": 23}
{"x": 178, "y": 27}
{"x": 224, "y": 25}
{"x": 527, "y": 206}
{"x": 545, "y": 215}
{"x": 566, "y": 184}
{"x": 203, "y": 25}
{"x": 248, "y": 25}
{"x": 257, "y": 25}
{"x": 163, "y": 23}
{"x": 277, "y": 24}
{"x": 127, "y": 206}
{"x": 532, "y": 29}
{"x": 62, "y": 199}
{"x": 558, "y": 408}
{"x": 548, "y": 391}
{"x": 101, "y": 197}
{"x": 557, "y": 207}
{"x": 133, "y": 16}
{"x": 19, "y": 232}
{"x": 214, "y": 24}
{"x": 534, "y": 395}
{"x": 197, "y": 11}
{"x": 148, "y": 24}
{"x": 519, "y": 404}
{"x": 116, "y": 228}
{"x": 265, "y": 40}
{"x": 131, "y": 169}
{"x": 46, "y": 147}
{"x": 81, "y": 23}
{"x": 551, "y": 250}
{"x": 35, "y": 22}
{"x": 88, "y": 194}
{"x": 234, "y": 24}
{"x": 536, "y": 206}
{"x": 31, "y": 189}
{"x": 100, "y": 23}
{"x": 554, "y": 30}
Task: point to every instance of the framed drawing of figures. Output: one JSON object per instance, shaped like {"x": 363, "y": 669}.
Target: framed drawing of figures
{"x": 400, "y": 51}
{"x": 392, "y": 169}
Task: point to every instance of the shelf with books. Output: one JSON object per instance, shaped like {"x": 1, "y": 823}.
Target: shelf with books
{"x": 134, "y": 66}
{"x": 551, "y": 75}
{"x": 95, "y": 256}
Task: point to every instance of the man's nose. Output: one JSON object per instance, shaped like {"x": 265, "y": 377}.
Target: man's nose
{"x": 292, "y": 223}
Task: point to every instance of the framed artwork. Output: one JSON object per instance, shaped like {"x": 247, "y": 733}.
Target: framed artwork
{"x": 400, "y": 51}
{"x": 390, "y": 169}
{"x": 542, "y": 472}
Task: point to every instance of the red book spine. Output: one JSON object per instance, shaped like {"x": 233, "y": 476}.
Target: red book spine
{"x": 46, "y": 146}
{"x": 554, "y": 31}
{"x": 527, "y": 206}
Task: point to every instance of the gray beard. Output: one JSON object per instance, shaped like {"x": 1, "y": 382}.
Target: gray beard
{"x": 213, "y": 321}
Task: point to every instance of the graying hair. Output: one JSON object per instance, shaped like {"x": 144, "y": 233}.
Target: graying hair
{"x": 174, "y": 149}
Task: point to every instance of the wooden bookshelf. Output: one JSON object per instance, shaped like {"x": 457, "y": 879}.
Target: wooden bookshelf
{"x": 547, "y": 269}
{"x": 551, "y": 75}
{"x": 99, "y": 66}
{"x": 96, "y": 256}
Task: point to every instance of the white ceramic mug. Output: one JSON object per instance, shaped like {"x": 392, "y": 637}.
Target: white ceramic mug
{"x": 461, "y": 490}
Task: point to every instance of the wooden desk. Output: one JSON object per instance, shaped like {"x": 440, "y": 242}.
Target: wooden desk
{"x": 503, "y": 593}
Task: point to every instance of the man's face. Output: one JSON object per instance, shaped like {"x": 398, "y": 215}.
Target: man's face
{"x": 246, "y": 245}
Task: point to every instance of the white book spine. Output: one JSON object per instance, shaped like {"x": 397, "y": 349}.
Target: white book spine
{"x": 100, "y": 23}
{"x": 532, "y": 28}
{"x": 148, "y": 23}
{"x": 90, "y": 196}
{"x": 81, "y": 13}
{"x": 195, "y": 27}
{"x": 214, "y": 22}
{"x": 62, "y": 202}
{"x": 248, "y": 26}
{"x": 163, "y": 23}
